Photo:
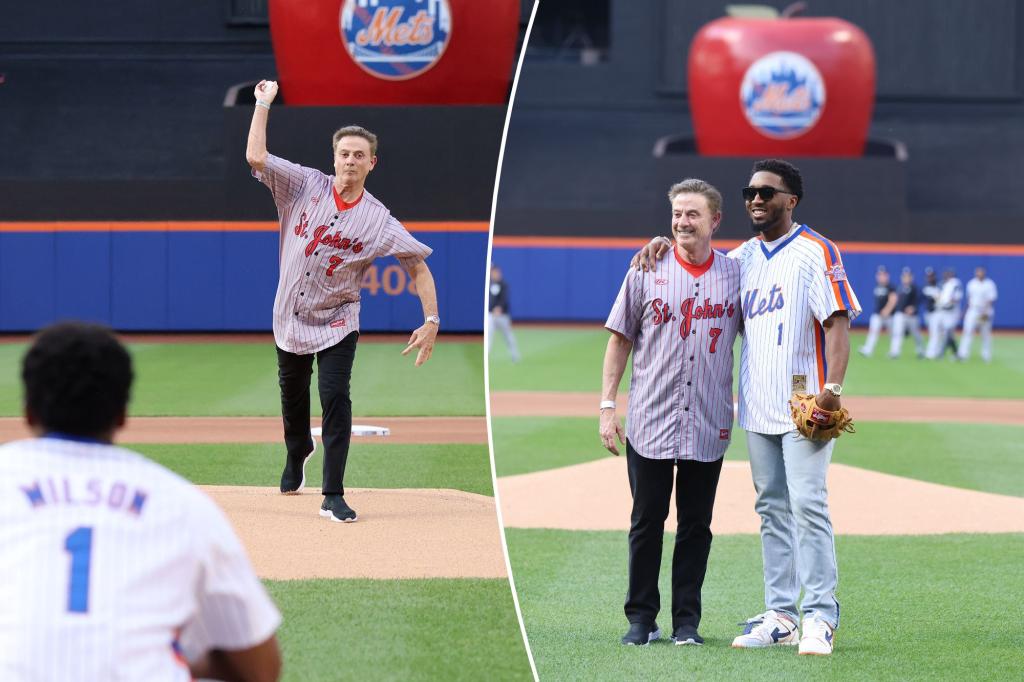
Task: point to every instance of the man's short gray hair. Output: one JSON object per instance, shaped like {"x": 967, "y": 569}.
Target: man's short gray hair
{"x": 696, "y": 186}
{"x": 355, "y": 131}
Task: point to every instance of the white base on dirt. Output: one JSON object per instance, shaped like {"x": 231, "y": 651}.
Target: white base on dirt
{"x": 357, "y": 430}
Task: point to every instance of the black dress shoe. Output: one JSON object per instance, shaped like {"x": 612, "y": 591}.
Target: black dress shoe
{"x": 641, "y": 634}
{"x": 335, "y": 508}
{"x": 686, "y": 634}
{"x": 293, "y": 478}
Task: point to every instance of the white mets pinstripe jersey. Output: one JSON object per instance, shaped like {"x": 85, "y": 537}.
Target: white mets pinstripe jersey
{"x": 114, "y": 568}
{"x": 788, "y": 289}
{"x": 326, "y": 247}
{"x": 682, "y": 320}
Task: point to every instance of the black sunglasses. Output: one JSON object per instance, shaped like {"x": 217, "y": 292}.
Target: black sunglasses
{"x": 767, "y": 193}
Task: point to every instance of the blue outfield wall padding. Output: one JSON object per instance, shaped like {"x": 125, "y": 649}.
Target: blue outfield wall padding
{"x": 211, "y": 280}
{"x": 580, "y": 284}
{"x": 195, "y": 280}
{"x": 138, "y": 282}
{"x": 82, "y": 274}
{"x": 250, "y": 280}
{"x": 27, "y": 284}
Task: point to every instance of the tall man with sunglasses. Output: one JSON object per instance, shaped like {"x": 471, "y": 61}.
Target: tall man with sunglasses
{"x": 797, "y": 307}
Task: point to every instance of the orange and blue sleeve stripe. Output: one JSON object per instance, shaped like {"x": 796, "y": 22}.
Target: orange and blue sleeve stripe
{"x": 841, "y": 289}
{"x": 819, "y": 354}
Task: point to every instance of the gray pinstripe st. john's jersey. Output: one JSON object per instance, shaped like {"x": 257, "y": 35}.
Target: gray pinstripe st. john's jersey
{"x": 682, "y": 320}
{"x": 326, "y": 247}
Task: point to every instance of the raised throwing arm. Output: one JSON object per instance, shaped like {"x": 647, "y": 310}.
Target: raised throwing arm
{"x": 256, "y": 147}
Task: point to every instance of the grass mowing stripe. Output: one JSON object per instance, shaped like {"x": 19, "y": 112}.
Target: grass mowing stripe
{"x": 399, "y": 630}
{"x": 210, "y": 379}
{"x": 913, "y": 607}
{"x": 459, "y": 466}
{"x": 569, "y": 359}
{"x": 939, "y": 453}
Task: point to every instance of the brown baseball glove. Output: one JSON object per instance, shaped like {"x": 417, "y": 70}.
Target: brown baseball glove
{"x": 815, "y": 423}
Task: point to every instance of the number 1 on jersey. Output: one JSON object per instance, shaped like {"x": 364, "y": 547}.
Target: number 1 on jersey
{"x": 780, "y": 333}
{"x": 79, "y": 545}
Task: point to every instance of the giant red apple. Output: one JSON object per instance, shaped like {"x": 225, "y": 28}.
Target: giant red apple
{"x": 781, "y": 87}
{"x": 357, "y": 52}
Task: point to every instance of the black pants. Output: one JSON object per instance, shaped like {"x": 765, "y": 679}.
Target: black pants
{"x": 650, "y": 481}
{"x": 334, "y": 375}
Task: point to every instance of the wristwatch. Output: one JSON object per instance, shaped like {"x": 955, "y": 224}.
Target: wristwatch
{"x": 834, "y": 389}
{"x": 433, "y": 318}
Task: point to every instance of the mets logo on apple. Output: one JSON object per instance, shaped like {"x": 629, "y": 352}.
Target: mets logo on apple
{"x": 783, "y": 95}
{"x": 396, "y": 39}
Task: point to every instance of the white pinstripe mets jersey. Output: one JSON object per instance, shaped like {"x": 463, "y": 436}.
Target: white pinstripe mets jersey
{"x": 682, "y": 320}
{"x": 326, "y": 247}
{"x": 789, "y": 288}
{"x": 114, "y": 568}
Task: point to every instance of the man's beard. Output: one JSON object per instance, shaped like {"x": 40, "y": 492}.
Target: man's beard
{"x": 770, "y": 220}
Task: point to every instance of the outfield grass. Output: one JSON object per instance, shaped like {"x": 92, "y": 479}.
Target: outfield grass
{"x": 459, "y": 466}
{"x": 399, "y": 630}
{"x": 570, "y": 359}
{"x": 913, "y": 607}
{"x": 950, "y": 454}
{"x": 240, "y": 379}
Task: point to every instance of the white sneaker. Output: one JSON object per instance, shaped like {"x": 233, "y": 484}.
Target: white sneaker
{"x": 817, "y": 639}
{"x": 767, "y": 629}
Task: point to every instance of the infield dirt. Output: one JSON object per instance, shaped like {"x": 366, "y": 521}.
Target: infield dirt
{"x": 862, "y": 502}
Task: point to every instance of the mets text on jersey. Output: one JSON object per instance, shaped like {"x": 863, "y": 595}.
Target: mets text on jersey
{"x": 752, "y": 306}
{"x": 396, "y": 39}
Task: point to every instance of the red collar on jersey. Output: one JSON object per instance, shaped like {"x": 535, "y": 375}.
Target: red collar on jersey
{"x": 341, "y": 203}
{"x": 695, "y": 270}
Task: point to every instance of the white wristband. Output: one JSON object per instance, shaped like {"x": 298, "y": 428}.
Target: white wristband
{"x": 607, "y": 404}
{"x": 261, "y": 103}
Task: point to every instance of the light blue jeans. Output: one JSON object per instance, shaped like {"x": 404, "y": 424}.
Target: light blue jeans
{"x": 797, "y": 543}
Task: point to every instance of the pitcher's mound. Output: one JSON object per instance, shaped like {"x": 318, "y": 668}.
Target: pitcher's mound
{"x": 595, "y": 496}
{"x": 401, "y": 533}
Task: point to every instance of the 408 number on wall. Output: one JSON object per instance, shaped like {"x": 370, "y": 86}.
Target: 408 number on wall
{"x": 392, "y": 280}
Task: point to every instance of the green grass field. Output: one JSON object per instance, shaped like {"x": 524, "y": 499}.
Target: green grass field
{"x": 570, "y": 359}
{"x": 913, "y": 607}
{"x": 900, "y": 619}
{"x": 938, "y": 453}
{"x": 457, "y": 466}
{"x": 399, "y": 630}
{"x": 209, "y": 379}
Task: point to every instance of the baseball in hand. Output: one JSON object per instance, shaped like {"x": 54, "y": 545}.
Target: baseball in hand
{"x": 266, "y": 91}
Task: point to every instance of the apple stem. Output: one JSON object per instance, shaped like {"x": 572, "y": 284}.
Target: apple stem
{"x": 792, "y": 9}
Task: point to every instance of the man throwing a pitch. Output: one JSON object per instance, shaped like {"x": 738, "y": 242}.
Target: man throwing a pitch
{"x": 331, "y": 231}
{"x": 680, "y": 322}
{"x": 797, "y": 306}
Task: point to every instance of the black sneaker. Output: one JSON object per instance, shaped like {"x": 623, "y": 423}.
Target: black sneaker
{"x": 687, "y": 634}
{"x": 293, "y": 478}
{"x": 335, "y": 509}
{"x": 641, "y": 634}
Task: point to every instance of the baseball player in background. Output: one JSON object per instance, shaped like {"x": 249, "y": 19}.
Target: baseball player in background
{"x": 680, "y": 322}
{"x": 930, "y": 296}
{"x": 498, "y": 318}
{"x": 905, "y": 318}
{"x": 946, "y": 316}
{"x": 885, "y": 304}
{"x": 797, "y": 307}
{"x": 113, "y": 567}
{"x": 332, "y": 229}
{"x": 981, "y": 297}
